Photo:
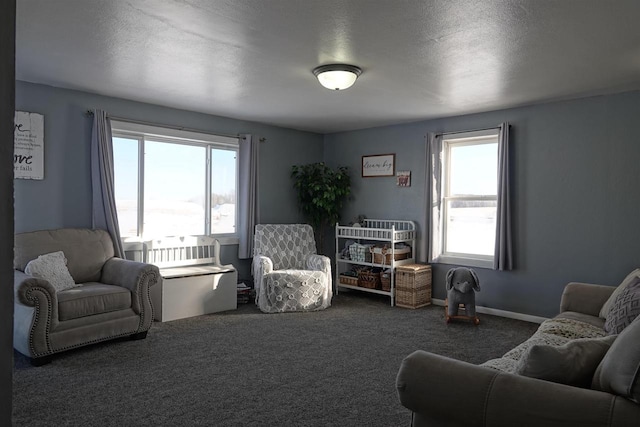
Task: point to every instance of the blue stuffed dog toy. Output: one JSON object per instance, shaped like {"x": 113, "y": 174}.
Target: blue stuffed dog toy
{"x": 462, "y": 284}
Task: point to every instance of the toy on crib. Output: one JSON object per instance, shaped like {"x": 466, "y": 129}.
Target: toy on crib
{"x": 462, "y": 284}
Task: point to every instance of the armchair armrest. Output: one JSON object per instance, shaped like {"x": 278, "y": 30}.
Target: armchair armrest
{"x": 29, "y": 290}
{"x": 447, "y": 392}
{"x": 129, "y": 274}
{"x": 35, "y": 314}
{"x": 585, "y": 298}
{"x": 138, "y": 277}
{"x": 321, "y": 263}
{"x": 318, "y": 262}
{"x": 261, "y": 265}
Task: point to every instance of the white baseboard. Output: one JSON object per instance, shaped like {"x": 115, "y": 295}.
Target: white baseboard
{"x": 501, "y": 313}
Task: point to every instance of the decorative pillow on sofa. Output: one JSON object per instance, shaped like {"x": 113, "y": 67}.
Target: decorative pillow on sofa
{"x": 573, "y": 363}
{"x": 625, "y": 308}
{"x": 52, "y": 267}
{"x": 604, "y": 311}
{"x": 619, "y": 371}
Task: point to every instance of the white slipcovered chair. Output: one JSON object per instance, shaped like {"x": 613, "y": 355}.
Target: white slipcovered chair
{"x": 288, "y": 274}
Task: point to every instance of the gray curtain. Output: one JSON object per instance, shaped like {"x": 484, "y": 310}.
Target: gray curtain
{"x": 433, "y": 197}
{"x": 105, "y": 215}
{"x": 503, "y": 257}
{"x": 248, "y": 203}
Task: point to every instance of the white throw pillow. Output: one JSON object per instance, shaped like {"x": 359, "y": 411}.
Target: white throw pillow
{"x": 606, "y": 308}
{"x": 52, "y": 267}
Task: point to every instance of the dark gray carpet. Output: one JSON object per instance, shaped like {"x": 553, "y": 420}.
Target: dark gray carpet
{"x": 244, "y": 368}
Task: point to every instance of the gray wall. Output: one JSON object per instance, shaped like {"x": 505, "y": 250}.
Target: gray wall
{"x": 63, "y": 198}
{"x": 575, "y": 193}
{"x": 7, "y": 67}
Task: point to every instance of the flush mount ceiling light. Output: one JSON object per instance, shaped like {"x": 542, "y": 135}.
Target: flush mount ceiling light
{"x": 337, "y": 76}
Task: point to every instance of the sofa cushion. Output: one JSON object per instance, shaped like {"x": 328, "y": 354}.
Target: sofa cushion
{"x": 90, "y": 299}
{"x": 625, "y": 308}
{"x": 619, "y": 370}
{"x": 86, "y": 250}
{"x": 573, "y": 363}
{"x": 598, "y": 322}
{"x": 52, "y": 268}
{"x": 606, "y": 307}
{"x": 552, "y": 332}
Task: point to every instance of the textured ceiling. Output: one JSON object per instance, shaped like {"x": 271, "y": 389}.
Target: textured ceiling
{"x": 252, "y": 59}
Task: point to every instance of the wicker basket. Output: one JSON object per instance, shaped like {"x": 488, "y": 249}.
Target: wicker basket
{"x": 348, "y": 280}
{"x": 383, "y": 255}
{"x": 368, "y": 279}
{"x": 413, "y": 285}
{"x": 385, "y": 281}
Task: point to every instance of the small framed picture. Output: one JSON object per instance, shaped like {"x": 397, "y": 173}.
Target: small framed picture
{"x": 403, "y": 178}
{"x": 378, "y": 165}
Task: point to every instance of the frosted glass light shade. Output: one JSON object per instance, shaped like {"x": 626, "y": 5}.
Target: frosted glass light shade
{"x": 337, "y": 76}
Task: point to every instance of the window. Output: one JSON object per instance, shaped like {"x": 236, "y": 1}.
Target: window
{"x": 174, "y": 183}
{"x": 469, "y": 198}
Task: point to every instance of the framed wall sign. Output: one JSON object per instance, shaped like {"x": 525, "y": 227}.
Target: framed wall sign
{"x": 378, "y": 165}
{"x": 28, "y": 145}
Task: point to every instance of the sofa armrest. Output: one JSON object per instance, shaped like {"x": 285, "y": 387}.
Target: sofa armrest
{"x": 35, "y": 314}
{"x": 447, "y": 392}
{"x": 439, "y": 387}
{"x": 138, "y": 277}
{"x": 585, "y": 298}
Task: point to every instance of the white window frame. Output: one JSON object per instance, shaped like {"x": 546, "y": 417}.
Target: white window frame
{"x": 461, "y": 139}
{"x": 142, "y": 132}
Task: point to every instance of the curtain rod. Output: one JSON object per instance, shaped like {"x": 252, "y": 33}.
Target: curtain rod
{"x": 466, "y": 131}
{"x": 140, "y": 122}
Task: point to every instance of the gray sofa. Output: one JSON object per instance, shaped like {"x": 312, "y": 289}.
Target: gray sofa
{"x": 445, "y": 392}
{"x": 113, "y": 300}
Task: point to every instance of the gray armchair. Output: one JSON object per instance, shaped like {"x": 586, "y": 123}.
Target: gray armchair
{"x": 288, "y": 274}
{"x": 113, "y": 300}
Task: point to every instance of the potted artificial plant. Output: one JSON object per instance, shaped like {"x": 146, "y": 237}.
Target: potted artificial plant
{"x": 321, "y": 192}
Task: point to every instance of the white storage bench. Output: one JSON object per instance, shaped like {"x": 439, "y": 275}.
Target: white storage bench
{"x": 193, "y": 280}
